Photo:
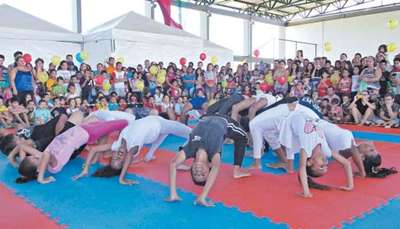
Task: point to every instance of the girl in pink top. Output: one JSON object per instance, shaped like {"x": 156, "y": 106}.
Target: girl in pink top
{"x": 58, "y": 153}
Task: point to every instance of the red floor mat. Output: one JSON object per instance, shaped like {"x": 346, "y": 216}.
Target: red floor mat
{"x": 16, "y": 213}
{"x": 371, "y": 129}
{"x": 274, "y": 197}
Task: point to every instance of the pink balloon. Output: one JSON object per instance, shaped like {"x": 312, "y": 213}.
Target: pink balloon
{"x": 182, "y": 61}
{"x": 264, "y": 87}
{"x": 27, "y": 58}
{"x": 257, "y": 53}
{"x": 281, "y": 80}
{"x": 203, "y": 56}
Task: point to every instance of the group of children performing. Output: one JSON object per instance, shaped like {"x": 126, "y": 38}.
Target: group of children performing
{"x": 288, "y": 125}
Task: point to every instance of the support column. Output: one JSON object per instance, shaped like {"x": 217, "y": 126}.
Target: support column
{"x": 205, "y": 25}
{"x": 77, "y": 16}
{"x": 248, "y": 40}
{"x": 282, "y": 42}
{"x": 149, "y": 7}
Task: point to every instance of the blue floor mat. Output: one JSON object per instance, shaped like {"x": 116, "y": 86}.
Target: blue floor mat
{"x": 103, "y": 203}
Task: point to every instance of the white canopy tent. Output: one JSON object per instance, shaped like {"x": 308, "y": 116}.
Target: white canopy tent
{"x": 136, "y": 38}
{"x": 29, "y": 34}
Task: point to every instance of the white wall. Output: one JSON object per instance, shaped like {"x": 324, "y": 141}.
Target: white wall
{"x": 350, "y": 35}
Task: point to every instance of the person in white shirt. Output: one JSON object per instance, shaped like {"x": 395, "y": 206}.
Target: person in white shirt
{"x": 253, "y": 104}
{"x": 152, "y": 129}
{"x": 120, "y": 78}
{"x": 301, "y": 134}
{"x": 64, "y": 72}
{"x": 364, "y": 155}
{"x": 105, "y": 115}
{"x": 266, "y": 125}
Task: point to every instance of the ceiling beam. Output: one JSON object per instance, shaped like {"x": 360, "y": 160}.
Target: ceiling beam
{"x": 269, "y": 19}
{"x": 348, "y": 14}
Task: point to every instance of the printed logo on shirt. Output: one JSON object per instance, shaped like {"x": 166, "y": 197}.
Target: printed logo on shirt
{"x": 196, "y": 138}
{"x": 309, "y": 126}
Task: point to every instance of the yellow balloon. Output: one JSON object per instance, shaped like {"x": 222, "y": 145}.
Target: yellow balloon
{"x": 162, "y": 73}
{"x": 154, "y": 70}
{"x": 55, "y": 60}
{"x": 160, "y": 79}
{"x": 328, "y": 46}
{"x": 43, "y": 77}
{"x": 335, "y": 79}
{"x": 290, "y": 79}
{"x": 268, "y": 79}
{"x": 120, "y": 59}
{"x": 84, "y": 55}
{"x": 106, "y": 86}
{"x": 393, "y": 23}
{"x": 214, "y": 60}
{"x": 392, "y": 47}
{"x": 139, "y": 84}
{"x": 224, "y": 84}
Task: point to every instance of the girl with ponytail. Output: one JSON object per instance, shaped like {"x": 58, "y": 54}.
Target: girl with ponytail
{"x": 300, "y": 134}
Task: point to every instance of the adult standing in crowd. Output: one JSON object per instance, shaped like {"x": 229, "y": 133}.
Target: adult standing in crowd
{"x": 21, "y": 80}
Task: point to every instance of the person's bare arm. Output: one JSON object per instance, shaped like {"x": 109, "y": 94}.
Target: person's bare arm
{"x": 12, "y": 155}
{"x": 92, "y": 153}
{"x": 202, "y": 198}
{"x": 347, "y": 168}
{"x": 12, "y": 82}
{"x": 44, "y": 162}
{"x": 175, "y": 163}
{"x": 127, "y": 162}
{"x": 355, "y": 154}
{"x": 391, "y": 112}
{"x": 370, "y": 105}
{"x": 383, "y": 117}
{"x": 303, "y": 174}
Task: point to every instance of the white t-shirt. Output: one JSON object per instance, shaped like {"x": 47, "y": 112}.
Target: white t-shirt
{"x": 114, "y": 115}
{"x": 307, "y": 111}
{"x": 271, "y": 99}
{"x": 143, "y": 131}
{"x": 119, "y": 76}
{"x": 299, "y": 131}
{"x": 336, "y": 137}
{"x": 65, "y": 74}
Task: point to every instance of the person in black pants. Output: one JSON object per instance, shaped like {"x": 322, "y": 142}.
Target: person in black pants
{"x": 224, "y": 106}
{"x": 205, "y": 146}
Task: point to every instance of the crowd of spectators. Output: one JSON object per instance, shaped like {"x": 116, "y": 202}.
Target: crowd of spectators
{"x": 364, "y": 90}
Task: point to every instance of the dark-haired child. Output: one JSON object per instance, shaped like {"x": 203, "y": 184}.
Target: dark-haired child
{"x": 299, "y": 133}
{"x": 19, "y": 112}
{"x": 59, "y": 151}
{"x": 347, "y": 117}
{"x": 59, "y": 89}
{"x": 205, "y": 146}
{"x": 41, "y": 114}
{"x": 335, "y": 111}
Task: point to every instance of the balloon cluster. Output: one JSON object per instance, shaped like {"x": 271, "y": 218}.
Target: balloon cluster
{"x": 392, "y": 24}
{"x": 81, "y": 56}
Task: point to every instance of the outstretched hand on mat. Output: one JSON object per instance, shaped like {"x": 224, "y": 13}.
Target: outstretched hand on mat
{"x": 127, "y": 182}
{"x": 344, "y": 188}
{"x": 82, "y": 174}
{"x": 204, "y": 202}
{"x": 47, "y": 180}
